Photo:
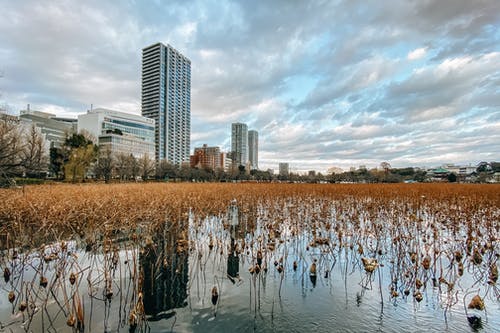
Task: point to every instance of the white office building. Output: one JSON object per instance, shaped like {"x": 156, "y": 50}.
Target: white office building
{"x": 54, "y": 129}
{"x": 122, "y": 132}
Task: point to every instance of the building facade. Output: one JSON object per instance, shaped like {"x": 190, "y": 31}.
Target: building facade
{"x": 207, "y": 158}
{"x": 122, "y": 133}
{"x": 253, "y": 149}
{"x": 54, "y": 129}
{"x": 166, "y": 98}
{"x": 239, "y": 143}
{"x": 284, "y": 169}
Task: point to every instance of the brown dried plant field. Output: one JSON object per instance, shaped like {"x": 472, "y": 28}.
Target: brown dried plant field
{"x": 407, "y": 238}
{"x": 39, "y": 214}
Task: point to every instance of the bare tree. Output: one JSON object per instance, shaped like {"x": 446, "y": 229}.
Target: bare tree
{"x": 123, "y": 166}
{"x": 11, "y": 146}
{"x": 165, "y": 170}
{"x": 105, "y": 164}
{"x": 147, "y": 167}
{"x": 33, "y": 157}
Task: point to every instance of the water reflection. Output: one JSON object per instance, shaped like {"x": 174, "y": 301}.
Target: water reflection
{"x": 164, "y": 264}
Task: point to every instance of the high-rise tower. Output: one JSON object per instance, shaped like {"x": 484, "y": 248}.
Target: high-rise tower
{"x": 253, "y": 149}
{"x": 239, "y": 143}
{"x": 166, "y": 97}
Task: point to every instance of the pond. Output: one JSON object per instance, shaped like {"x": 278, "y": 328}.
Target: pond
{"x": 255, "y": 273}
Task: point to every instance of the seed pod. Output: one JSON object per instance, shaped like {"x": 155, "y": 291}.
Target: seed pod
{"x": 460, "y": 269}
{"x": 132, "y": 320}
{"x": 22, "y": 306}
{"x": 426, "y": 263}
{"x": 43, "y": 281}
{"x": 71, "y": 321}
{"x": 215, "y": 295}
{"x": 312, "y": 269}
{"x": 418, "y": 296}
{"x": 6, "y": 274}
{"x": 280, "y": 269}
{"x": 477, "y": 258}
{"x": 493, "y": 276}
{"x": 12, "y": 296}
{"x": 72, "y": 278}
{"x": 418, "y": 283}
{"x": 476, "y": 303}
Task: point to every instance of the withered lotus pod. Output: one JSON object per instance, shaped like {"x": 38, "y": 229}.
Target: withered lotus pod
{"x": 12, "y": 296}
{"x": 476, "y": 303}
{"x": 418, "y": 283}
{"x": 215, "y": 295}
{"x": 22, "y": 306}
{"x": 43, "y": 281}
{"x": 493, "y": 276}
{"x": 426, "y": 263}
{"x": 71, "y": 321}
{"x": 6, "y": 274}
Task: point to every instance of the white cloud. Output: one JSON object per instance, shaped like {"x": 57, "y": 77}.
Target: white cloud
{"x": 417, "y": 53}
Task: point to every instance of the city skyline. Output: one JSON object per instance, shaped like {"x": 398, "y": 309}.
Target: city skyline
{"x": 411, "y": 83}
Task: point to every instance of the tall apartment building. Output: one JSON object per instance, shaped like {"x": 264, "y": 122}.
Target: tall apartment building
{"x": 253, "y": 149}
{"x": 122, "y": 132}
{"x": 239, "y": 143}
{"x": 166, "y": 98}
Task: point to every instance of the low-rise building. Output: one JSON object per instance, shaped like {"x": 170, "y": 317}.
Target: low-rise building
{"x": 207, "y": 158}
{"x": 54, "y": 129}
{"x": 121, "y": 132}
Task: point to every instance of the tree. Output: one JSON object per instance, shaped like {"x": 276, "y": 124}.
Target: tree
{"x": 385, "y": 166}
{"x": 79, "y": 162}
{"x": 452, "y": 177}
{"x": 135, "y": 167}
{"x": 11, "y": 146}
{"x": 105, "y": 164}
{"x": 56, "y": 165}
{"x": 33, "y": 156}
{"x": 147, "y": 167}
{"x": 166, "y": 170}
{"x": 123, "y": 166}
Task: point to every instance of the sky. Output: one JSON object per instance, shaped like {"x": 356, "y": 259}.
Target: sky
{"x": 325, "y": 83}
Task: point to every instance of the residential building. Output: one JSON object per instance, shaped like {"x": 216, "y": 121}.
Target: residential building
{"x": 284, "y": 169}
{"x": 239, "y": 143}
{"x": 253, "y": 149}
{"x": 54, "y": 129}
{"x": 166, "y": 98}
{"x": 207, "y": 158}
{"x": 122, "y": 132}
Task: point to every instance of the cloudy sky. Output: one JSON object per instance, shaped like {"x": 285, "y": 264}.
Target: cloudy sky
{"x": 326, "y": 83}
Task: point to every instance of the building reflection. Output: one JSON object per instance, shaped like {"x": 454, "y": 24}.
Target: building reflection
{"x": 164, "y": 263}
